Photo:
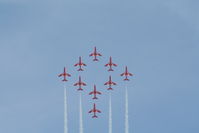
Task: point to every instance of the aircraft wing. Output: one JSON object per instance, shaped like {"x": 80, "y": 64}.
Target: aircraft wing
{"x": 91, "y": 93}
{"x": 76, "y": 84}
{"x": 99, "y": 54}
{"x": 60, "y": 75}
{"x": 130, "y": 74}
{"x": 106, "y": 83}
{"x": 114, "y": 64}
{"x": 106, "y": 65}
{"x": 113, "y": 83}
{"x": 83, "y": 84}
{"x": 99, "y": 92}
{"x": 90, "y": 111}
{"x": 76, "y": 64}
{"x": 91, "y": 54}
{"x": 122, "y": 74}
{"x": 68, "y": 75}
{"x": 98, "y": 111}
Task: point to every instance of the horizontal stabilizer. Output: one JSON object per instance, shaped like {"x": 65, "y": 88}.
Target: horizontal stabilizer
{"x": 95, "y": 60}
{"x": 80, "y": 69}
{"x": 64, "y": 80}
{"x": 80, "y": 89}
{"x": 94, "y": 116}
{"x": 126, "y": 79}
{"x": 95, "y": 98}
{"x": 110, "y": 88}
{"x": 110, "y": 69}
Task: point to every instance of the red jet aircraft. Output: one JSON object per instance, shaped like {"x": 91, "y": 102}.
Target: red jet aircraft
{"x": 110, "y": 64}
{"x": 95, "y": 92}
{"x": 110, "y": 83}
{"x": 80, "y": 84}
{"x": 80, "y": 64}
{"x": 95, "y": 54}
{"x": 64, "y": 74}
{"x": 94, "y": 110}
{"x": 126, "y": 74}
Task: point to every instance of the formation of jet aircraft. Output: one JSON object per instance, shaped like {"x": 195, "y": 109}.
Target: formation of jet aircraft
{"x": 109, "y": 83}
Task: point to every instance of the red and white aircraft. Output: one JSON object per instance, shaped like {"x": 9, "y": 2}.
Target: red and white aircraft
{"x": 95, "y": 92}
{"x": 110, "y": 83}
{"x": 95, "y": 54}
{"x": 110, "y": 64}
{"x": 80, "y": 84}
{"x": 80, "y": 64}
{"x": 64, "y": 74}
{"x": 126, "y": 74}
{"x": 94, "y": 110}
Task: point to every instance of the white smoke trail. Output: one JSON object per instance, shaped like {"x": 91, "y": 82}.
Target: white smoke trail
{"x": 126, "y": 111}
{"x": 110, "y": 114}
{"x": 80, "y": 114}
{"x": 65, "y": 112}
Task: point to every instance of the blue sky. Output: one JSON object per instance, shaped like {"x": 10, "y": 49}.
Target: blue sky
{"x": 158, "y": 40}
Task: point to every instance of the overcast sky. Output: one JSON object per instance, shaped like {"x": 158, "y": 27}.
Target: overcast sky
{"x": 157, "y": 39}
